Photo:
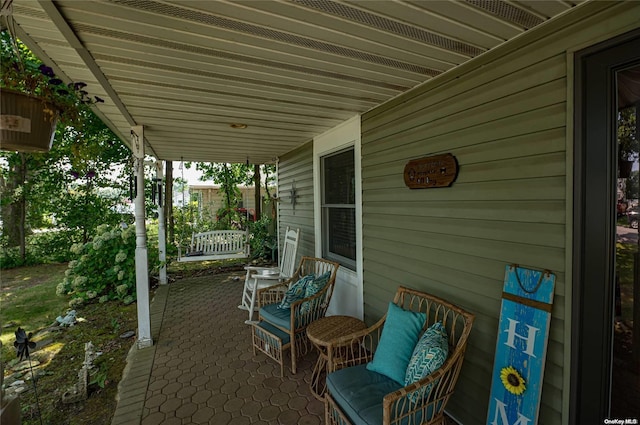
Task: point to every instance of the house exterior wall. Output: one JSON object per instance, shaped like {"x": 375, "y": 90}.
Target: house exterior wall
{"x": 297, "y": 166}
{"x": 212, "y": 199}
{"x": 507, "y": 117}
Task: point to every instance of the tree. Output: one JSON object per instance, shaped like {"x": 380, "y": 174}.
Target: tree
{"x": 628, "y": 143}
{"x": 256, "y": 184}
{"x": 66, "y": 187}
{"x": 228, "y": 176}
{"x": 632, "y": 188}
{"x": 13, "y": 201}
{"x": 169, "y": 222}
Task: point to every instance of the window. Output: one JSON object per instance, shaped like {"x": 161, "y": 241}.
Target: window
{"x": 339, "y": 208}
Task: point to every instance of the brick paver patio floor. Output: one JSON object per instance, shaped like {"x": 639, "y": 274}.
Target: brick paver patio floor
{"x": 201, "y": 368}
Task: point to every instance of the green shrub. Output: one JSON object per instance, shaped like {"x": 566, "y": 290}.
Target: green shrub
{"x": 263, "y": 239}
{"x": 104, "y": 268}
{"x": 41, "y": 248}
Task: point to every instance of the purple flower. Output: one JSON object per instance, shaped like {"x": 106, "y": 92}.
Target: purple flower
{"x": 79, "y": 85}
{"x": 63, "y": 92}
{"x": 91, "y": 174}
{"x": 46, "y": 70}
{"x": 98, "y": 99}
{"x": 55, "y": 81}
{"x": 74, "y": 174}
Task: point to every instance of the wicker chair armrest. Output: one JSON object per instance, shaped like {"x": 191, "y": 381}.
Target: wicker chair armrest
{"x": 271, "y": 294}
{"x": 422, "y": 383}
{"x": 440, "y": 384}
{"x": 301, "y": 320}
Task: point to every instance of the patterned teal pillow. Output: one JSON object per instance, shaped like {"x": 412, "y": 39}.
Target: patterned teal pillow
{"x": 295, "y": 292}
{"x": 399, "y": 336}
{"x": 430, "y": 353}
{"x": 312, "y": 288}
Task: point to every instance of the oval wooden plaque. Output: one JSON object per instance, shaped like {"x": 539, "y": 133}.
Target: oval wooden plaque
{"x": 431, "y": 171}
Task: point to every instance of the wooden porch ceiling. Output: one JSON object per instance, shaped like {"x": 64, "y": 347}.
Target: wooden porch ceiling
{"x": 289, "y": 70}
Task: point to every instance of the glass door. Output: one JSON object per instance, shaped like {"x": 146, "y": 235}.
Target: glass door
{"x": 625, "y": 368}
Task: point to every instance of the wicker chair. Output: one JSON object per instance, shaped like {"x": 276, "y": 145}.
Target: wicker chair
{"x": 422, "y": 402}
{"x": 279, "y": 330}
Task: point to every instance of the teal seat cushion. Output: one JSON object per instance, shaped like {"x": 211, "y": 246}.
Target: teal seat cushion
{"x": 430, "y": 353}
{"x": 276, "y": 316}
{"x": 272, "y": 330}
{"x": 312, "y": 288}
{"x": 399, "y": 337}
{"x": 359, "y": 393}
{"x": 296, "y": 292}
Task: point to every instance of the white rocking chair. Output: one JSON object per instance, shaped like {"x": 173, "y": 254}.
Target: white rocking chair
{"x": 262, "y": 277}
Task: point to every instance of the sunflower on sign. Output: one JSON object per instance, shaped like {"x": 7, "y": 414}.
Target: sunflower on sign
{"x": 512, "y": 380}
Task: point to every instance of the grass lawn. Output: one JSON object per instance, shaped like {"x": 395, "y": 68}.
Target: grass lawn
{"x": 29, "y": 300}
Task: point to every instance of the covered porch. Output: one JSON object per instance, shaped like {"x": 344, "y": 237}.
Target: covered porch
{"x": 253, "y": 81}
{"x": 495, "y": 83}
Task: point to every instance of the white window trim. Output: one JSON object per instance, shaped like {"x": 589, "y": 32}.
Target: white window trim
{"x": 343, "y": 136}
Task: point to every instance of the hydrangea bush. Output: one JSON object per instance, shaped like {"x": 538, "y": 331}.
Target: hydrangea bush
{"x": 104, "y": 269}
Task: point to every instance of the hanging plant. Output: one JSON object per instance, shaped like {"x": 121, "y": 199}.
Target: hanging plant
{"x": 34, "y": 99}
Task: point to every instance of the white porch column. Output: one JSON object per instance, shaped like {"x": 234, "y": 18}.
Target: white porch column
{"x": 162, "y": 234}
{"x": 142, "y": 265}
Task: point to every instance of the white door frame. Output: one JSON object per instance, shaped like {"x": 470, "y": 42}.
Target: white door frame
{"x": 348, "y": 296}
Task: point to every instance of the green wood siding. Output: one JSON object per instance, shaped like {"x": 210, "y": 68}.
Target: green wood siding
{"x": 505, "y": 117}
{"x": 297, "y": 165}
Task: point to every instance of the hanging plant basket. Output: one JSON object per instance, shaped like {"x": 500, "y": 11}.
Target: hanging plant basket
{"x": 26, "y": 123}
{"x": 624, "y": 168}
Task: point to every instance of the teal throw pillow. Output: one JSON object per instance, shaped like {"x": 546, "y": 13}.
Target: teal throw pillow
{"x": 430, "y": 353}
{"x": 295, "y": 292}
{"x": 312, "y": 288}
{"x": 399, "y": 337}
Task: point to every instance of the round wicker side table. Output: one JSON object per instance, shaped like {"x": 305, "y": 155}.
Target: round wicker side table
{"x": 321, "y": 333}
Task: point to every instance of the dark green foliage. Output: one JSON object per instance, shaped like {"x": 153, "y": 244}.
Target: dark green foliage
{"x": 632, "y": 190}
{"x": 104, "y": 268}
{"x": 41, "y": 248}
{"x": 628, "y": 143}
{"x": 64, "y": 194}
{"x": 228, "y": 176}
{"x": 263, "y": 240}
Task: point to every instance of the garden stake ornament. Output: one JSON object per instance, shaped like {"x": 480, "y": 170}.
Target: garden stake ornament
{"x": 22, "y": 345}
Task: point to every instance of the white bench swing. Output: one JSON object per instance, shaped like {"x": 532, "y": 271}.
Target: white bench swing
{"x": 216, "y": 245}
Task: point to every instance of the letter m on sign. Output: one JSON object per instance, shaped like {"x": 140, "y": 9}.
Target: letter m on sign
{"x": 521, "y": 346}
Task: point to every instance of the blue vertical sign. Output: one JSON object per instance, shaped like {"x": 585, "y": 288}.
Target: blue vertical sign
{"x": 521, "y": 346}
